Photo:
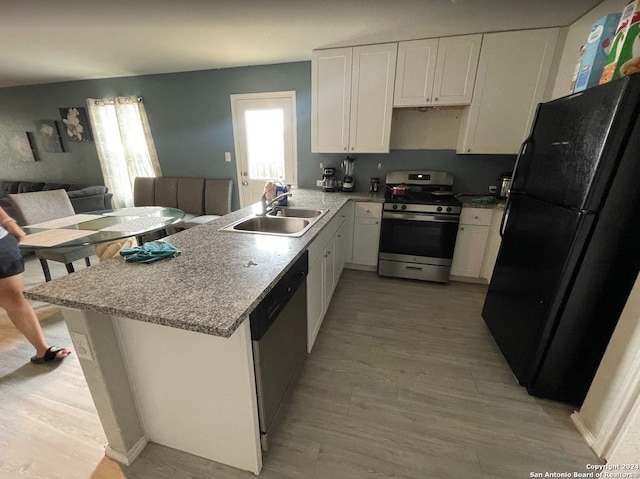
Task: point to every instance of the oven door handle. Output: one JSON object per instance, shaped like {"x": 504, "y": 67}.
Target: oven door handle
{"x": 420, "y": 217}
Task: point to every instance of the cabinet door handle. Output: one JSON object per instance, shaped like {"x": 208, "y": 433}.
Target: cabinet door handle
{"x": 416, "y": 268}
{"x": 476, "y": 217}
{"x": 435, "y": 99}
{"x": 462, "y": 228}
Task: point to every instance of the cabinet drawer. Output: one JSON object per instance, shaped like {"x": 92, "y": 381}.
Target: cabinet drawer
{"x": 476, "y": 216}
{"x": 369, "y": 210}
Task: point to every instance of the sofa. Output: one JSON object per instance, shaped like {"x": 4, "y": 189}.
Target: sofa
{"x": 202, "y": 199}
{"x": 83, "y": 197}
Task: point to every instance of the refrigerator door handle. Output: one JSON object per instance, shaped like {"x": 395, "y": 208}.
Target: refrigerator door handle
{"x": 523, "y": 151}
{"x": 507, "y": 206}
{"x": 503, "y": 221}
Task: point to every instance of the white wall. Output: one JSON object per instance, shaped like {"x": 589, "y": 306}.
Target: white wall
{"x": 576, "y": 36}
{"x": 626, "y": 450}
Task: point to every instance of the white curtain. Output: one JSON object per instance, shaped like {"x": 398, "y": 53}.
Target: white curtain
{"x": 124, "y": 143}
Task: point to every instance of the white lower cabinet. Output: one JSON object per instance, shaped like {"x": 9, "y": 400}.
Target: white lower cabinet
{"x": 315, "y": 300}
{"x": 366, "y": 234}
{"x": 471, "y": 242}
{"x": 493, "y": 244}
{"x": 327, "y": 256}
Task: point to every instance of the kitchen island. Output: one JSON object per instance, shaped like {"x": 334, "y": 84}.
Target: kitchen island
{"x": 166, "y": 348}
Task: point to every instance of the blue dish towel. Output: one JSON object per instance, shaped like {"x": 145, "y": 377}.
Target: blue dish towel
{"x": 150, "y": 252}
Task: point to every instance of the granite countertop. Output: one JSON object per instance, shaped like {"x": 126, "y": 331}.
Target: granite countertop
{"x": 486, "y": 201}
{"x": 211, "y": 288}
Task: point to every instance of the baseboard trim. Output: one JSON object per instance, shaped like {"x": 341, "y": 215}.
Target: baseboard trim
{"x": 583, "y": 429}
{"x": 468, "y": 279}
{"x": 127, "y": 458}
{"x": 361, "y": 267}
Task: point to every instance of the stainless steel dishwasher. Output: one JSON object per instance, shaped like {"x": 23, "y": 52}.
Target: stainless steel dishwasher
{"x": 279, "y": 338}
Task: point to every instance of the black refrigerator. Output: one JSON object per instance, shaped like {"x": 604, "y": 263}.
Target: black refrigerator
{"x": 570, "y": 250}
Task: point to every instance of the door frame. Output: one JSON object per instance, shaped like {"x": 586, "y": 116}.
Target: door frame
{"x": 277, "y": 95}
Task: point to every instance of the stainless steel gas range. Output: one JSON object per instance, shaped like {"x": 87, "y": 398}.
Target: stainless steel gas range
{"x": 420, "y": 220}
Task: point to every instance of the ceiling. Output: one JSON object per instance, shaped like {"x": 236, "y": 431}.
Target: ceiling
{"x": 47, "y": 41}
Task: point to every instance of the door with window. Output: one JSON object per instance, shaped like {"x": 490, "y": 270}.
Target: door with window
{"x": 264, "y": 131}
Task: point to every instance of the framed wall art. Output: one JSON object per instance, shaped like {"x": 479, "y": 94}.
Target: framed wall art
{"x": 48, "y": 136}
{"x": 21, "y": 146}
{"x": 75, "y": 124}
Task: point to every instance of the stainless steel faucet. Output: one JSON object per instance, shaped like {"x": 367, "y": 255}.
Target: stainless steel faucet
{"x": 266, "y": 204}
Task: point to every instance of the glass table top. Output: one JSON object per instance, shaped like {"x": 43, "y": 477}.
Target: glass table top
{"x": 99, "y": 227}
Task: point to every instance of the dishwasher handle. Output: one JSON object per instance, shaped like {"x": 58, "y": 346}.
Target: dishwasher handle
{"x": 266, "y": 313}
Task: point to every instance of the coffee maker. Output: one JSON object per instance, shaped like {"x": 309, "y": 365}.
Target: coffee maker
{"x": 329, "y": 181}
{"x": 347, "y": 169}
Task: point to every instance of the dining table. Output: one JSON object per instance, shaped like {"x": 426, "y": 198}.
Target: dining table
{"x": 109, "y": 230}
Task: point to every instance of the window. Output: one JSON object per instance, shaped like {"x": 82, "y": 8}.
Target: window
{"x": 124, "y": 143}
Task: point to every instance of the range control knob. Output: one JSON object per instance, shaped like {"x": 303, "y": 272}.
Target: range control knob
{"x": 404, "y": 207}
{"x": 439, "y": 208}
{"x": 449, "y": 209}
{"x": 395, "y": 207}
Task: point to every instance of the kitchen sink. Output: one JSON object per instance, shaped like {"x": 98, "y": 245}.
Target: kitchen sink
{"x": 281, "y": 221}
{"x": 292, "y": 211}
{"x": 269, "y": 224}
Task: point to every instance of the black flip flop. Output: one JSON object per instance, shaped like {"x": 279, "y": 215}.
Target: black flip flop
{"x": 51, "y": 355}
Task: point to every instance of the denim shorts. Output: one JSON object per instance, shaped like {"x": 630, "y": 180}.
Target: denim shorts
{"x": 11, "y": 262}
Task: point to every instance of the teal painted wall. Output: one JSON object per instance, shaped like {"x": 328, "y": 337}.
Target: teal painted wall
{"x": 190, "y": 118}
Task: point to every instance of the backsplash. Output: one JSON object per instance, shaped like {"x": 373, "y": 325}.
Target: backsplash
{"x": 472, "y": 173}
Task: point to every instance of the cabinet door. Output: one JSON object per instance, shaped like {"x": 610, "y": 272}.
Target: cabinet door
{"x": 330, "y": 98}
{"x": 347, "y": 232}
{"x": 329, "y": 272}
{"x": 366, "y": 235}
{"x": 340, "y": 249}
{"x": 456, "y": 68}
{"x": 414, "y": 72}
{"x": 493, "y": 244}
{"x": 315, "y": 301}
{"x": 469, "y": 251}
{"x": 372, "y": 83}
{"x": 512, "y": 75}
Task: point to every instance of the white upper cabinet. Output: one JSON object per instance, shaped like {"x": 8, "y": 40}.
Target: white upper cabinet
{"x": 414, "y": 72}
{"x": 512, "y": 75}
{"x": 436, "y": 71}
{"x": 331, "y": 99}
{"x": 352, "y": 99}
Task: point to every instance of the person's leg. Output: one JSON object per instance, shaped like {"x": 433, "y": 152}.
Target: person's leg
{"x": 23, "y": 316}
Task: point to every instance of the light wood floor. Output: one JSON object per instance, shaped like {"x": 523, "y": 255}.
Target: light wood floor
{"x": 404, "y": 381}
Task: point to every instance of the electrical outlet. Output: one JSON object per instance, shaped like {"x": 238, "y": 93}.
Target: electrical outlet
{"x": 493, "y": 189}
{"x": 227, "y": 156}
{"x": 82, "y": 345}
{"x": 318, "y": 182}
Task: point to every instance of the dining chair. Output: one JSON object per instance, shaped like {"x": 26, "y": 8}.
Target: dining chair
{"x": 40, "y": 206}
